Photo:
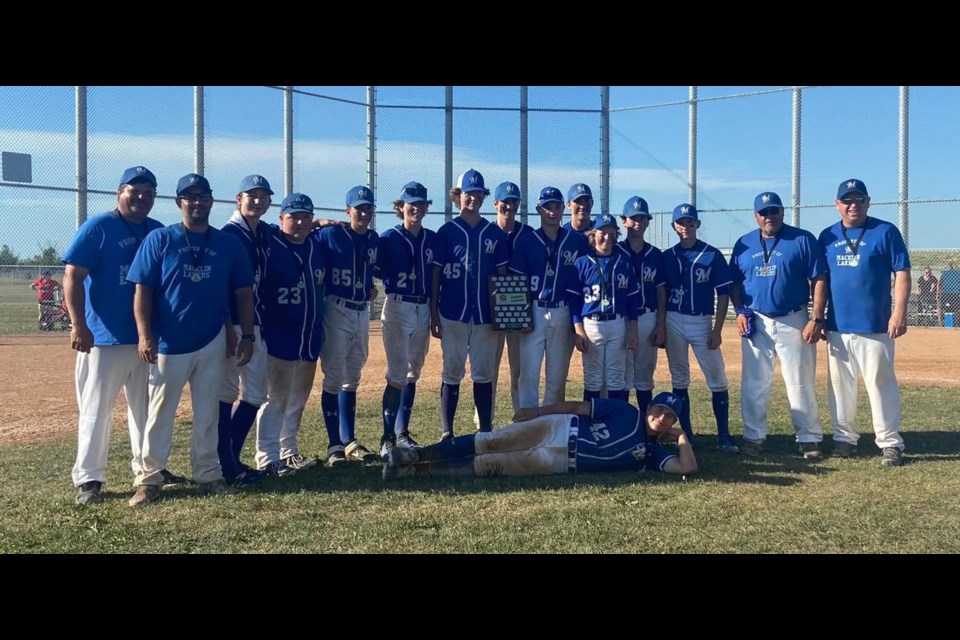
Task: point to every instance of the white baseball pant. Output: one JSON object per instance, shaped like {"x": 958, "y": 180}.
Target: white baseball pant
{"x": 551, "y": 340}
{"x": 780, "y": 337}
{"x": 203, "y": 369}
{"x": 604, "y": 360}
{"x": 406, "y": 339}
{"x": 461, "y": 339}
{"x": 345, "y": 348}
{"x": 99, "y": 376}
{"x": 870, "y": 356}
{"x": 289, "y": 383}
{"x": 249, "y": 382}
{"x": 540, "y": 446}
{"x": 684, "y": 331}
{"x": 641, "y": 364}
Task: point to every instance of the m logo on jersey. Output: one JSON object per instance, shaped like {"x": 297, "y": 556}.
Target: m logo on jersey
{"x": 489, "y": 246}
{"x": 569, "y": 257}
{"x": 703, "y": 275}
{"x": 639, "y": 452}
{"x": 649, "y": 273}
{"x": 621, "y": 281}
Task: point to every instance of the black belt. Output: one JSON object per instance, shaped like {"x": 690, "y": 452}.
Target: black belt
{"x": 347, "y": 304}
{"x": 550, "y": 305}
{"x": 600, "y": 317}
{"x": 413, "y": 299}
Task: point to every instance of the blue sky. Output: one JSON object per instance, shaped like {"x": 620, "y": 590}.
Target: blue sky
{"x": 744, "y": 147}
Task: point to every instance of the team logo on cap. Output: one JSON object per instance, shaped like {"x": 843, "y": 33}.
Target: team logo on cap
{"x": 362, "y": 194}
{"x": 473, "y": 179}
{"x": 851, "y": 184}
{"x": 193, "y": 179}
{"x": 684, "y": 210}
{"x": 636, "y": 205}
{"x": 509, "y": 188}
{"x": 257, "y": 179}
{"x": 580, "y": 189}
{"x": 765, "y": 198}
{"x": 141, "y": 170}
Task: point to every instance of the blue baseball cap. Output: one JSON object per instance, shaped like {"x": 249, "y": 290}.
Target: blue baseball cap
{"x": 636, "y": 206}
{"x": 579, "y": 190}
{"x": 766, "y": 200}
{"x": 471, "y": 180}
{"x": 549, "y": 194}
{"x": 851, "y": 186}
{"x": 296, "y": 202}
{"x": 254, "y": 181}
{"x": 193, "y": 180}
{"x": 414, "y": 192}
{"x": 669, "y": 401}
{"x": 506, "y": 191}
{"x": 605, "y": 220}
{"x": 685, "y": 210}
{"x": 138, "y": 174}
{"x": 359, "y": 195}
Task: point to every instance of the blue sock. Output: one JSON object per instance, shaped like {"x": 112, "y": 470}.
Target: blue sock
{"x": 685, "y": 413}
{"x": 450, "y": 448}
{"x": 228, "y": 463}
{"x": 483, "y": 398}
{"x": 407, "y": 395}
{"x": 721, "y": 411}
{"x": 391, "y": 405}
{"x": 449, "y": 397}
{"x": 451, "y": 467}
{"x": 330, "y": 406}
{"x": 240, "y": 425}
{"x": 348, "y": 415}
{"x": 643, "y": 399}
{"x": 622, "y": 394}
{"x": 590, "y": 395}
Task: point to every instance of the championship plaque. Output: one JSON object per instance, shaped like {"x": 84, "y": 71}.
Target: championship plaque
{"x": 510, "y": 306}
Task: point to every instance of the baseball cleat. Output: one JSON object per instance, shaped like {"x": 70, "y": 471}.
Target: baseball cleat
{"x": 299, "y": 461}
{"x": 727, "y": 444}
{"x": 144, "y": 495}
{"x": 356, "y": 451}
{"x": 386, "y": 446}
{"x": 811, "y": 451}
{"x": 404, "y": 439}
{"x": 752, "y": 447}
{"x": 89, "y": 492}
{"x": 844, "y": 450}
{"x": 403, "y": 456}
{"x": 892, "y": 457}
{"x": 170, "y": 479}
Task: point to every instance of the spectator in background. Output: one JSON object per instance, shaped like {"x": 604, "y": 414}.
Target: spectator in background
{"x": 929, "y": 295}
{"x": 48, "y": 299}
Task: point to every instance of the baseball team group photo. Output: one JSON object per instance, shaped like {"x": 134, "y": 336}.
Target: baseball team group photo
{"x": 262, "y": 374}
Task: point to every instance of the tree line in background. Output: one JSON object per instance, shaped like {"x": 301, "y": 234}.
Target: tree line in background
{"x": 48, "y": 255}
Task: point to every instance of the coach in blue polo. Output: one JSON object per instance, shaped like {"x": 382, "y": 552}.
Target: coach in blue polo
{"x": 185, "y": 275}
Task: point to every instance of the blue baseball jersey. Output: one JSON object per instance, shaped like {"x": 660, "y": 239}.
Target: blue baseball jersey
{"x": 569, "y": 227}
{"x": 549, "y": 264}
{"x": 105, "y": 246}
{"x": 253, "y": 242}
{"x": 692, "y": 277}
{"x": 405, "y": 261}
{"x": 519, "y": 231}
{"x": 192, "y": 284}
{"x": 467, "y": 257}
{"x": 351, "y": 260}
{"x": 605, "y": 284}
{"x": 648, "y": 265}
{"x": 291, "y": 296}
{"x": 775, "y": 273}
{"x": 614, "y": 438}
{"x": 860, "y": 267}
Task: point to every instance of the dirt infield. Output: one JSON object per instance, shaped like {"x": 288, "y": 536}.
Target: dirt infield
{"x": 38, "y": 398}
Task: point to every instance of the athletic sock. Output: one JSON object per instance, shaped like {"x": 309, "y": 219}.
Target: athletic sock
{"x": 407, "y": 396}
{"x": 685, "y": 412}
{"x": 449, "y": 397}
{"x": 590, "y": 395}
{"x": 330, "y": 405}
{"x": 483, "y": 398}
{"x": 450, "y": 448}
{"x": 391, "y": 405}
{"x": 721, "y": 411}
{"x": 240, "y": 425}
{"x": 228, "y": 462}
{"x": 347, "y": 401}
{"x": 644, "y": 398}
{"x": 622, "y": 394}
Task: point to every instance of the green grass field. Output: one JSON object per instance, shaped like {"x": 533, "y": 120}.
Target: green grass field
{"x": 774, "y": 504}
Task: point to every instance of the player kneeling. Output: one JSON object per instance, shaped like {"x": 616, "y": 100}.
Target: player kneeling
{"x": 567, "y": 437}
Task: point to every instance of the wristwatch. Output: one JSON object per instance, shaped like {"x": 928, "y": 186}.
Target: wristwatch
{"x": 818, "y": 320}
{"x": 249, "y": 336}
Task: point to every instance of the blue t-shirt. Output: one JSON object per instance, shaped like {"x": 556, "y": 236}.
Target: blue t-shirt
{"x": 192, "y": 284}
{"x": 467, "y": 257}
{"x": 614, "y": 438}
{"x": 105, "y": 246}
{"x": 405, "y": 261}
{"x": 860, "y": 267}
{"x": 351, "y": 259}
{"x": 549, "y": 264}
{"x": 776, "y": 272}
{"x": 605, "y": 284}
{"x": 648, "y": 265}
{"x": 692, "y": 277}
{"x": 291, "y": 296}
